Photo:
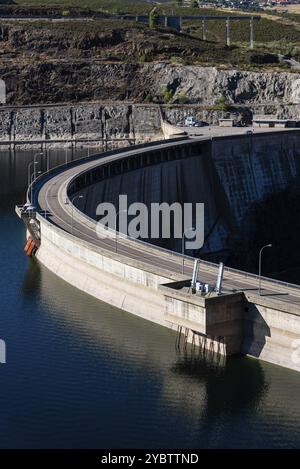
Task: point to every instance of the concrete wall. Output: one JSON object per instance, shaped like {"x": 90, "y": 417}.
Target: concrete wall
{"x": 131, "y": 123}
{"x": 127, "y": 287}
{"x": 100, "y": 121}
{"x": 228, "y": 324}
{"x": 171, "y": 131}
{"x": 272, "y": 331}
{"x": 230, "y": 176}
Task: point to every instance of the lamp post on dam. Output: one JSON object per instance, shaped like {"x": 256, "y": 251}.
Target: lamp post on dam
{"x": 259, "y": 266}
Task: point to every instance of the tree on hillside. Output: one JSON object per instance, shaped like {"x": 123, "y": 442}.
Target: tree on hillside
{"x": 153, "y": 18}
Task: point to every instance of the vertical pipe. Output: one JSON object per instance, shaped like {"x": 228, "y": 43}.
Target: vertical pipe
{"x": 195, "y": 273}
{"x": 220, "y": 278}
{"x": 228, "y": 31}
{"x": 203, "y": 30}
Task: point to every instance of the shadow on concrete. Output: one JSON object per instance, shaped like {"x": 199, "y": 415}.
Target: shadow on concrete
{"x": 274, "y": 294}
{"x": 255, "y": 331}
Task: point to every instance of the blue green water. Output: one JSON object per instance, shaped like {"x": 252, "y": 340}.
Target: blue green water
{"x": 81, "y": 373}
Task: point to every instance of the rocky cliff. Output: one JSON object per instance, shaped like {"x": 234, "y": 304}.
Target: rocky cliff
{"x": 44, "y": 62}
{"x": 54, "y": 83}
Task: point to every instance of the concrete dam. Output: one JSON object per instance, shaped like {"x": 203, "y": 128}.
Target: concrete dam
{"x": 229, "y": 175}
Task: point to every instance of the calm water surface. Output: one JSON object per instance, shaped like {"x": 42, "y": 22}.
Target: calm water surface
{"x": 81, "y": 373}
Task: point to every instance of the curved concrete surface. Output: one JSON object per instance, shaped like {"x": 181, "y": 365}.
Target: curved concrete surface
{"x": 132, "y": 277}
{"x": 50, "y": 197}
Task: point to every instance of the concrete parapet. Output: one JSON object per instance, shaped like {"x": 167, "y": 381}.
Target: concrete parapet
{"x": 172, "y": 131}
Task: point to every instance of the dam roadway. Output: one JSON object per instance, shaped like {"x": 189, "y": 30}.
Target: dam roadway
{"x": 51, "y": 201}
{"x": 54, "y": 208}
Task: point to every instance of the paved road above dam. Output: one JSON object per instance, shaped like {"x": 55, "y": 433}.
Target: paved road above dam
{"x": 147, "y": 280}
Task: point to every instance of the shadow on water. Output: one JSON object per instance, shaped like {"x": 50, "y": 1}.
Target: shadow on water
{"x": 192, "y": 387}
{"x": 241, "y": 381}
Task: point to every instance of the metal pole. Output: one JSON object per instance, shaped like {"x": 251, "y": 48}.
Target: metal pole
{"x": 29, "y": 175}
{"x": 75, "y": 131}
{"x": 120, "y": 211}
{"x": 48, "y": 160}
{"x": 31, "y": 191}
{"x": 228, "y": 31}
{"x": 34, "y": 160}
{"x": 183, "y": 247}
{"x": 32, "y": 179}
{"x": 251, "y": 33}
{"x": 259, "y": 266}
{"x": 80, "y": 196}
{"x": 182, "y": 252}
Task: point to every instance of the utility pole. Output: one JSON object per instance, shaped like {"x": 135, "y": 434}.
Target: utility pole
{"x": 203, "y": 30}
{"x": 228, "y": 31}
{"x": 251, "y": 33}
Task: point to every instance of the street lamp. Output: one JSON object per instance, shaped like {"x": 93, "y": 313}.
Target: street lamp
{"x": 183, "y": 245}
{"x": 47, "y": 154}
{"x": 32, "y": 179}
{"x": 29, "y": 171}
{"x": 33, "y": 163}
{"x": 120, "y": 211}
{"x": 34, "y": 159}
{"x": 259, "y": 266}
{"x": 80, "y": 196}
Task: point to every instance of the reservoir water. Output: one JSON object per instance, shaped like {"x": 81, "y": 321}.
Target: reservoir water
{"x": 82, "y": 374}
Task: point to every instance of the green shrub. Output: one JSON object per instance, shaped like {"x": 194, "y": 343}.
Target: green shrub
{"x": 182, "y": 98}
{"x": 148, "y": 98}
{"x": 167, "y": 94}
{"x": 221, "y": 104}
{"x": 153, "y": 18}
{"x": 147, "y": 57}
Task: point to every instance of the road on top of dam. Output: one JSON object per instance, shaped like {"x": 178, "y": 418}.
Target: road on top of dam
{"x": 49, "y": 200}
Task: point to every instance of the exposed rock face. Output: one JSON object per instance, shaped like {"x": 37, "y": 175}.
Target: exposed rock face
{"x": 99, "y": 122}
{"x": 206, "y": 84}
{"x": 59, "y": 82}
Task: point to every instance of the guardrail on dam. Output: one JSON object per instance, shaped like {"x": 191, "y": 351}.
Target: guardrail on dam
{"x": 147, "y": 280}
